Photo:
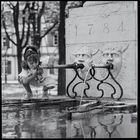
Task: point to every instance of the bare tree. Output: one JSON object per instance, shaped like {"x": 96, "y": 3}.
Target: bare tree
{"x": 23, "y": 19}
{"x": 21, "y": 38}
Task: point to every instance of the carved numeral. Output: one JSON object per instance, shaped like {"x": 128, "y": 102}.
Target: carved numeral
{"x": 75, "y": 30}
{"x": 106, "y": 28}
{"x": 121, "y": 27}
{"x": 90, "y": 29}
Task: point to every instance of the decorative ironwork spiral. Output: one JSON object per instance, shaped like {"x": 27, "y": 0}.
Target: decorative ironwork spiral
{"x": 93, "y": 76}
{"x": 92, "y": 72}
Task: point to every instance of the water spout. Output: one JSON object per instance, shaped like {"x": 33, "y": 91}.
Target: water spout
{"x": 67, "y": 66}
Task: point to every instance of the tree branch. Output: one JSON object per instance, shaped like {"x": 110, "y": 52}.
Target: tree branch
{"x": 49, "y": 29}
{"x": 11, "y": 6}
{"x": 8, "y": 36}
{"x": 27, "y": 36}
{"x": 42, "y": 9}
{"x": 16, "y": 23}
{"x": 23, "y": 28}
{"x": 23, "y": 20}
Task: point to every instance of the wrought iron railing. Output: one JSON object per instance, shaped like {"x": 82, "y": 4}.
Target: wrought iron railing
{"x": 92, "y": 73}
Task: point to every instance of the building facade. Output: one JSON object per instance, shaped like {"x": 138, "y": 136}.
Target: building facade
{"x": 48, "y": 50}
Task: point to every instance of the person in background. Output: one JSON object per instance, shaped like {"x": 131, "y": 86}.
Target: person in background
{"x": 33, "y": 74}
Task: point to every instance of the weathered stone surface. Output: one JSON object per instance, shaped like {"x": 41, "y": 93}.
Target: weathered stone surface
{"x": 101, "y": 8}
{"x": 95, "y": 26}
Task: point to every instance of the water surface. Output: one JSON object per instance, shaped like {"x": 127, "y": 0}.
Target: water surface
{"x": 50, "y": 122}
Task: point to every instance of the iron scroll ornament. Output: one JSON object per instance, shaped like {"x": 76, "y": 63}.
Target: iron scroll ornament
{"x": 101, "y": 81}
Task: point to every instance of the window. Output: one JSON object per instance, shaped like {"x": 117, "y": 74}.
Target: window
{"x": 6, "y": 67}
{"x": 5, "y": 42}
{"x": 55, "y": 39}
{"x": 2, "y": 68}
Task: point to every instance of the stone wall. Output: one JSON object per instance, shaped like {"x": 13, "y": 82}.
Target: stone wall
{"x": 97, "y": 25}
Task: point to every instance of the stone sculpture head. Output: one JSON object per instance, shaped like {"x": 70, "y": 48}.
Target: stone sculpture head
{"x": 83, "y": 55}
{"x": 113, "y": 54}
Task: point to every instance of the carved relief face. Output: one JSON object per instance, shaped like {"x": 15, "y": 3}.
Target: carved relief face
{"x": 85, "y": 59}
{"x": 113, "y": 56}
{"x": 83, "y": 56}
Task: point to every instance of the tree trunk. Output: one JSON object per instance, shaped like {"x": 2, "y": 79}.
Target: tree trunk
{"x": 19, "y": 58}
{"x": 62, "y": 72}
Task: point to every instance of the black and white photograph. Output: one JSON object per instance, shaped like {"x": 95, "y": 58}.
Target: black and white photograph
{"x": 69, "y": 69}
